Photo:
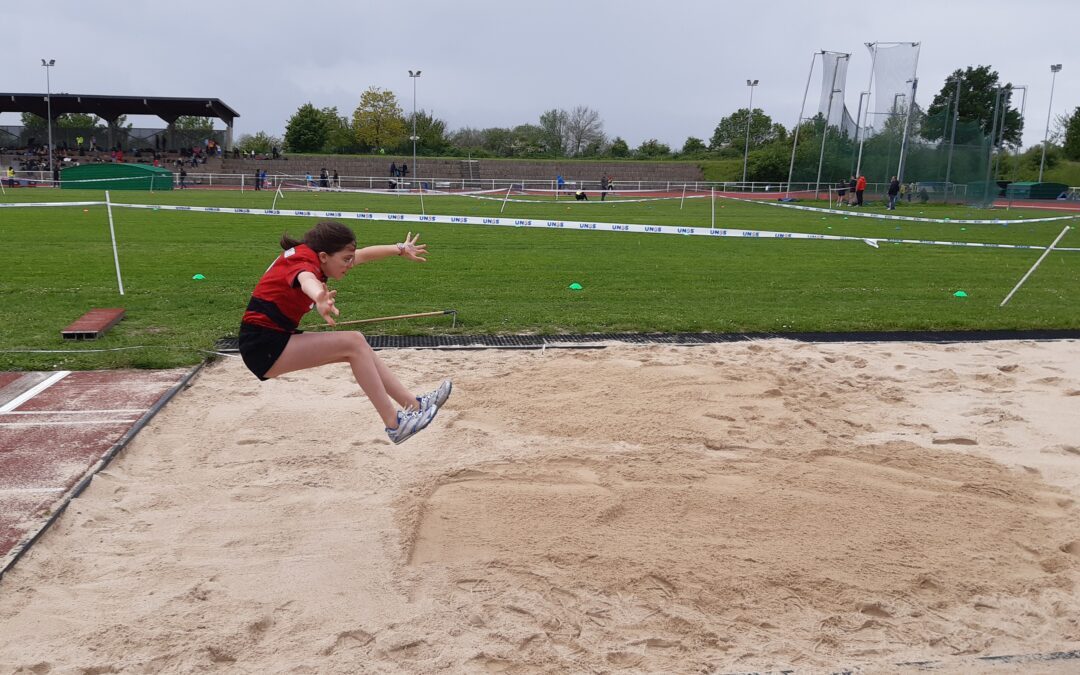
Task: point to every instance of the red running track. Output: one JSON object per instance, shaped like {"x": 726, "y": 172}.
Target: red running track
{"x": 54, "y": 430}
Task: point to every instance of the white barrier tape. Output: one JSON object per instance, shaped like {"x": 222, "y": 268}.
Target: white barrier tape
{"x": 4, "y": 205}
{"x": 574, "y": 225}
{"x": 883, "y": 216}
{"x": 554, "y": 224}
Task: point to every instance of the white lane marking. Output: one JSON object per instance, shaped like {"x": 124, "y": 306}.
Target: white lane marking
{"x": 4, "y": 491}
{"x": 34, "y": 391}
{"x": 61, "y": 424}
{"x": 74, "y": 412}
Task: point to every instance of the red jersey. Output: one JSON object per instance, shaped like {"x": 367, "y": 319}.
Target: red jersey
{"x": 278, "y": 303}
{"x": 861, "y": 183}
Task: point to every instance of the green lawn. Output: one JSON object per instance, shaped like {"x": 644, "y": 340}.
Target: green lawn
{"x": 512, "y": 280}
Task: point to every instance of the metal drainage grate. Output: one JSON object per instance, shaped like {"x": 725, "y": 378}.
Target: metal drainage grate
{"x": 596, "y": 340}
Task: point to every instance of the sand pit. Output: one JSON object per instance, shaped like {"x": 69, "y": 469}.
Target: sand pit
{"x": 638, "y": 509}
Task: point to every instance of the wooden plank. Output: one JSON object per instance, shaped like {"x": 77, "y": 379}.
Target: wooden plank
{"x": 93, "y": 324}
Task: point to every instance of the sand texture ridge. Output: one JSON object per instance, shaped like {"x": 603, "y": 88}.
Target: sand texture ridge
{"x": 734, "y": 507}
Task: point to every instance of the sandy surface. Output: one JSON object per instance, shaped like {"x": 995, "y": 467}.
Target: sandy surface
{"x": 638, "y": 509}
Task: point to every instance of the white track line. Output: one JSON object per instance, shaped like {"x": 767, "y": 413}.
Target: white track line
{"x": 8, "y": 491}
{"x": 34, "y": 391}
{"x": 61, "y": 424}
{"x": 75, "y": 412}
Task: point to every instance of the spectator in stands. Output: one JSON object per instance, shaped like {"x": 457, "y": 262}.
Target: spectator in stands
{"x": 860, "y": 188}
{"x": 11, "y": 176}
{"x": 393, "y": 169}
{"x": 324, "y": 178}
{"x": 337, "y": 179}
{"x": 262, "y": 179}
{"x": 894, "y": 192}
{"x": 404, "y": 171}
{"x": 258, "y": 180}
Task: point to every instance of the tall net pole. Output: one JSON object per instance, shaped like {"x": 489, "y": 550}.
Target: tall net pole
{"x": 795, "y": 144}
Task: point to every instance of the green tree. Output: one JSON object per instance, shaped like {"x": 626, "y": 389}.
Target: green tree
{"x": 619, "y": 148}
{"x": 378, "y": 121}
{"x": 261, "y": 143}
{"x": 653, "y": 148}
{"x": 554, "y": 123}
{"x": 529, "y": 141}
{"x": 339, "y": 134}
{"x": 431, "y": 132}
{"x": 193, "y": 123}
{"x": 1071, "y": 146}
{"x": 77, "y": 121}
{"x": 306, "y": 130}
{"x": 731, "y": 131}
{"x": 693, "y": 146}
{"x": 978, "y": 90}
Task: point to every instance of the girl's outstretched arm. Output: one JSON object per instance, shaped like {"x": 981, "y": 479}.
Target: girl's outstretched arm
{"x": 406, "y": 249}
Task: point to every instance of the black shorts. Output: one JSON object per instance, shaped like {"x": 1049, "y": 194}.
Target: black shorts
{"x": 260, "y": 348}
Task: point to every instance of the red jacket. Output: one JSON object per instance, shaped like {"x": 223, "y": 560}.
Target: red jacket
{"x": 861, "y": 183}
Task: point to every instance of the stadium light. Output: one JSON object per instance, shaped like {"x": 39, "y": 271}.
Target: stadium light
{"x": 415, "y": 76}
{"x": 746, "y": 146}
{"x": 48, "y": 100}
{"x": 1046, "y": 137}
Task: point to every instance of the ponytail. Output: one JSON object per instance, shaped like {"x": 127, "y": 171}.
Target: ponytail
{"x": 326, "y": 237}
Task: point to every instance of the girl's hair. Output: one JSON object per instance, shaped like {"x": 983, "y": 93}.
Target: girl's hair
{"x": 326, "y": 237}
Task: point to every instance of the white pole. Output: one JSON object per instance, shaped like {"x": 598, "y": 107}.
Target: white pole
{"x": 714, "y": 208}
{"x": 1046, "y": 136}
{"x": 422, "y": 211}
{"x": 276, "y": 195}
{"x": 795, "y": 144}
{"x": 683, "y": 196}
{"x": 505, "y": 198}
{"x": 112, "y": 234}
{"x": 1034, "y": 267}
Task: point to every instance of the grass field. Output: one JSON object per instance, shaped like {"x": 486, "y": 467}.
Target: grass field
{"x": 513, "y": 280}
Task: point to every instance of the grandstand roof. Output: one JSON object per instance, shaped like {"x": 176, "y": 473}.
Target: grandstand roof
{"x": 110, "y": 107}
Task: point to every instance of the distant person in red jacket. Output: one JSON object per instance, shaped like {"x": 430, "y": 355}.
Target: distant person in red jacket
{"x": 860, "y": 187}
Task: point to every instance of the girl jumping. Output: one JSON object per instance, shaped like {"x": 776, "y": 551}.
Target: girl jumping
{"x": 272, "y": 345}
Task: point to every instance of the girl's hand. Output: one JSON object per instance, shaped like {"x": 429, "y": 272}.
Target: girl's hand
{"x": 411, "y": 250}
{"x": 325, "y": 305}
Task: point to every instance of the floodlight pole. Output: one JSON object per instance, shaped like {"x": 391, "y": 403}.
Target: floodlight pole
{"x": 749, "y": 115}
{"x": 48, "y": 100}
{"x": 858, "y": 120}
{"x": 1054, "y": 69}
{"x": 795, "y": 143}
{"x": 415, "y": 76}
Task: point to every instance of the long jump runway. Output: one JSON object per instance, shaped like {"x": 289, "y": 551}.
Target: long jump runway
{"x": 56, "y": 430}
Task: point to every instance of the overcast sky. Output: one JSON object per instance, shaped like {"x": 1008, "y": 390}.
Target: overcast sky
{"x": 664, "y": 70}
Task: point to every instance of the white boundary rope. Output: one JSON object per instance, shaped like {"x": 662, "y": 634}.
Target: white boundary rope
{"x": 571, "y": 225}
{"x": 884, "y": 216}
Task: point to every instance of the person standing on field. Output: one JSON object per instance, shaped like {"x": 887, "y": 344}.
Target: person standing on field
{"x": 894, "y": 192}
{"x": 860, "y": 188}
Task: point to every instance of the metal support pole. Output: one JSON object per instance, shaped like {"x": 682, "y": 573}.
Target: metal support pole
{"x": 48, "y": 102}
{"x": 795, "y": 144}
{"x": 825, "y": 131}
{"x": 749, "y": 115}
{"x": 952, "y": 140}
{"x": 907, "y": 128}
{"x": 414, "y": 137}
{"x": 1054, "y": 69}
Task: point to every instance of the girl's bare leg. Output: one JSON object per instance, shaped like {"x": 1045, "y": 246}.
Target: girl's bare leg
{"x": 310, "y": 350}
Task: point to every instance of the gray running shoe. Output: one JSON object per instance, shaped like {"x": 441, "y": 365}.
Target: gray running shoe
{"x": 410, "y": 422}
{"x": 437, "y": 397}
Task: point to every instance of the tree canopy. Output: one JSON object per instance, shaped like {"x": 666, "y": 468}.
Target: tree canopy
{"x": 378, "y": 122}
{"x": 978, "y": 91}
